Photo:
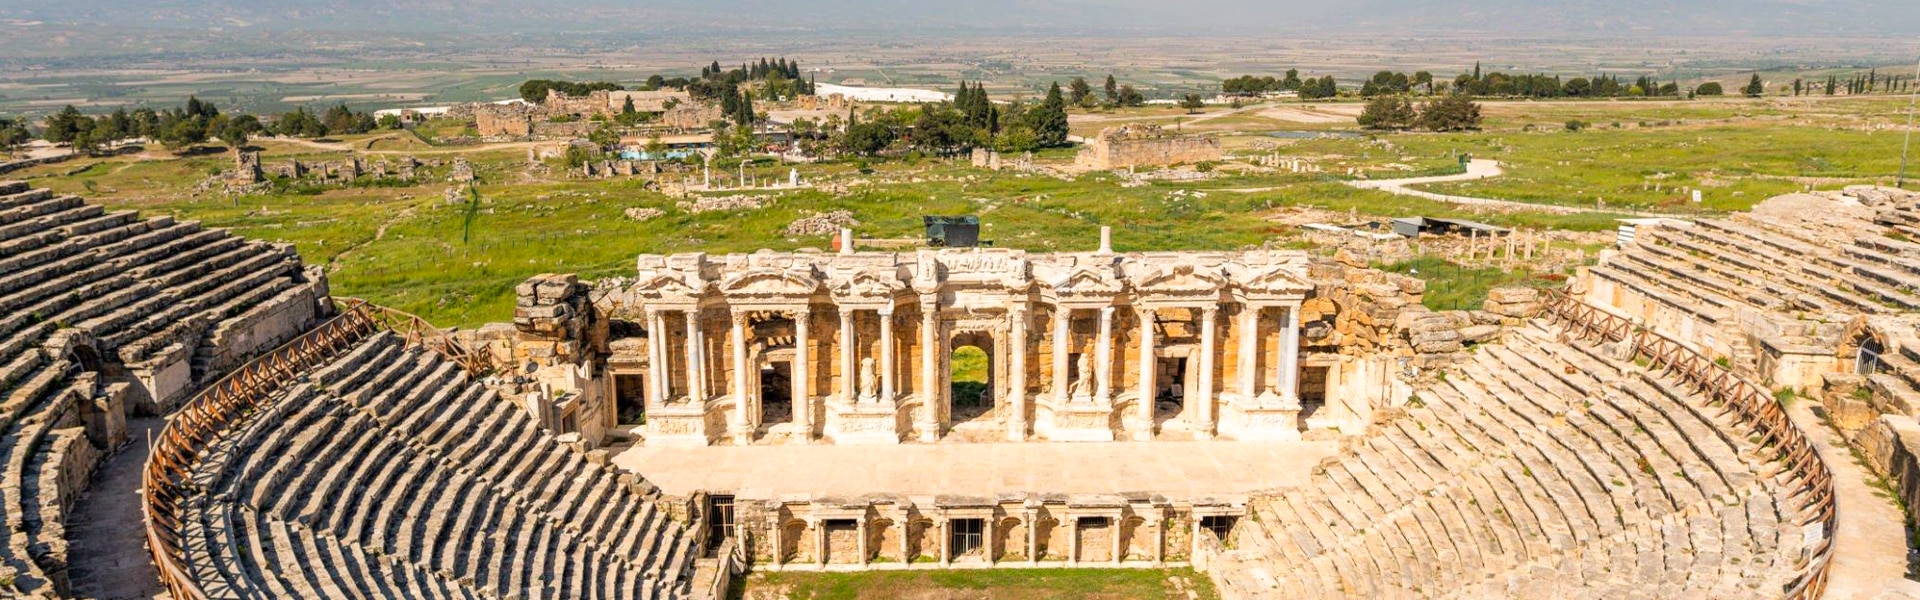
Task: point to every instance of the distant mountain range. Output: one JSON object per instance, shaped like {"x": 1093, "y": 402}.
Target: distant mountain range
{"x": 1528, "y": 18}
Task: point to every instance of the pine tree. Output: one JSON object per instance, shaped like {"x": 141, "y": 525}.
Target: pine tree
{"x": 1755, "y": 88}
{"x": 1113, "y": 90}
{"x": 1049, "y": 120}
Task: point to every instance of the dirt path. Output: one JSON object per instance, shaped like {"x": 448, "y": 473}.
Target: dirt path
{"x": 1480, "y": 168}
{"x": 1870, "y": 546}
{"x": 108, "y": 553}
{"x": 345, "y": 147}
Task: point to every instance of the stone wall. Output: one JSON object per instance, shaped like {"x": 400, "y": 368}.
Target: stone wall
{"x": 503, "y": 121}
{"x": 1140, "y": 145}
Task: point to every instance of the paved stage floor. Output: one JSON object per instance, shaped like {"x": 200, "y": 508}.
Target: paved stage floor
{"x": 1174, "y": 469}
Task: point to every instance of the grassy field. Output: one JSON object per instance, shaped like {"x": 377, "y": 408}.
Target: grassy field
{"x": 998, "y": 584}
{"x": 407, "y": 247}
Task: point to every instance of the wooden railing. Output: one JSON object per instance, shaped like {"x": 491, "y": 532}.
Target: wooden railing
{"x": 168, "y": 481}
{"x": 1752, "y": 405}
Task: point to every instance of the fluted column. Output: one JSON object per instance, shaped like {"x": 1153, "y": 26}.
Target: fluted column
{"x": 1017, "y": 375}
{"x": 695, "y": 385}
{"x": 1148, "y": 371}
{"x": 849, "y": 372}
{"x": 886, "y": 353}
{"x": 931, "y": 396}
{"x": 1062, "y": 329}
{"x": 802, "y": 376}
{"x": 742, "y": 416}
{"x": 657, "y": 372}
{"x": 1289, "y": 363}
{"x": 1208, "y": 316}
{"x": 1249, "y": 350}
{"x": 1104, "y": 353}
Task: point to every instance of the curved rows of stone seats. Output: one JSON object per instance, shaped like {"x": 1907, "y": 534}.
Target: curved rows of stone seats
{"x": 1537, "y": 469}
{"x": 100, "y": 310}
{"x": 389, "y": 473}
{"x": 1716, "y": 267}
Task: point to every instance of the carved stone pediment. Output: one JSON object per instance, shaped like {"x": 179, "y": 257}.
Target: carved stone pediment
{"x": 1084, "y": 281}
{"x": 1276, "y": 279}
{"x": 669, "y": 284}
{"x": 867, "y": 284}
{"x": 1183, "y": 279}
{"x": 797, "y": 282}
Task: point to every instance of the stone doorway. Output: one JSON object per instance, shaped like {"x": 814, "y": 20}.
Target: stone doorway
{"x": 1313, "y": 391}
{"x": 1172, "y": 386}
{"x": 630, "y": 398}
{"x": 968, "y": 538}
{"x": 843, "y": 542}
{"x": 776, "y": 392}
{"x": 970, "y": 378}
{"x": 1096, "y": 539}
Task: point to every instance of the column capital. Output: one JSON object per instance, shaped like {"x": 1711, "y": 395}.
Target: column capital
{"x": 1210, "y": 311}
{"x": 737, "y": 316}
{"x": 885, "y": 311}
{"x": 1146, "y": 312}
{"x": 798, "y": 312}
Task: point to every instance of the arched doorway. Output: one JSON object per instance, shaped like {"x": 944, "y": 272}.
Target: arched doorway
{"x": 970, "y": 378}
{"x": 773, "y": 338}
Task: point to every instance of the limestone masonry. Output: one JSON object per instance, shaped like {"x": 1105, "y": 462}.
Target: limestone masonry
{"x": 1142, "y": 145}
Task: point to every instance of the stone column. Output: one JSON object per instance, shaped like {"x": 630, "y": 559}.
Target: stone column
{"x": 986, "y": 541}
{"x": 1289, "y": 363}
{"x": 1073, "y": 540}
{"x": 1113, "y": 535}
{"x": 1148, "y": 370}
{"x": 860, "y": 529}
{"x": 802, "y": 376}
{"x": 779, "y": 525}
{"x": 1208, "y": 316}
{"x": 657, "y": 372}
{"x": 1103, "y": 391}
{"x": 694, "y": 383}
{"x": 886, "y": 353}
{"x": 849, "y": 370}
{"x": 931, "y": 396}
{"x": 1062, "y": 329}
{"x": 946, "y": 542}
{"x": 1017, "y": 375}
{"x": 1159, "y": 537}
{"x": 820, "y": 542}
{"x": 743, "y": 420}
{"x": 1033, "y": 537}
{"x": 1249, "y": 349}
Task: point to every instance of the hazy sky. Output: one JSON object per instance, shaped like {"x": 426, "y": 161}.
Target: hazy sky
{"x": 1536, "y": 18}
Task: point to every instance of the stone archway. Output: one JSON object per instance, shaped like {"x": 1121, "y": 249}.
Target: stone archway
{"x": 972, "y": 381}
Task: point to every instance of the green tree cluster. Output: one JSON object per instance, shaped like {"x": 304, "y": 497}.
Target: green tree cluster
{"x": 535, "y": 90}
{"x": 1389, "y": 113}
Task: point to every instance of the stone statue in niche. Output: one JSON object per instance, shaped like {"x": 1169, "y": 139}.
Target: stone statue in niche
{"x": 869, "y": 383}
{"x": 1082, "y": 386}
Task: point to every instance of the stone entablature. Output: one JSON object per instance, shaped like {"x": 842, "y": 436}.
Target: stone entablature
{"x": 856, "y": 347}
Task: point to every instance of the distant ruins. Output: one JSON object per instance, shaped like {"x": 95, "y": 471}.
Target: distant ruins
{"x": 1144, "y": 145}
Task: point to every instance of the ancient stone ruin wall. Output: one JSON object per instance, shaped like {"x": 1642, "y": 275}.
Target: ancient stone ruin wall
{"x": 1140, "y": 145}
{"x": 503, "y": 121}
{"x": 1085, "y": 346}
{"x": 1016, "y": 531}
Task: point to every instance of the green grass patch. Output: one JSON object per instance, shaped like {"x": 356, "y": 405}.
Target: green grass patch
{"x": 1454, "y": 287}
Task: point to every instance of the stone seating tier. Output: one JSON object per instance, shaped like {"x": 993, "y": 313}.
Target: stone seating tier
{"x": 368, "y": 480}
{"x": 1537, "y": 469}
{"x": 108, "y": 281}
